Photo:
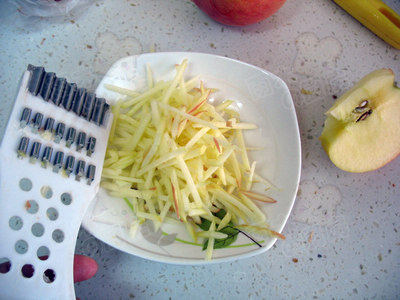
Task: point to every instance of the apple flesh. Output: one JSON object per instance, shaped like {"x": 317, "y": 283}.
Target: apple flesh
{"x": 239, "y": 12}
{"x": 362, "y": 129}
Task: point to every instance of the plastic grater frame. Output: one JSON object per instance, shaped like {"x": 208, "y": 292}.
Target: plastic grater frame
{"x": 41, "y": 209}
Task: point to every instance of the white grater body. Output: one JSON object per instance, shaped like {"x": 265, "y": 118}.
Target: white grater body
{"x": 59, "y": 219}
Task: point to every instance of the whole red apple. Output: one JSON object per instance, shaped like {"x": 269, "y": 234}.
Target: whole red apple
{"x": 239, "y": 12}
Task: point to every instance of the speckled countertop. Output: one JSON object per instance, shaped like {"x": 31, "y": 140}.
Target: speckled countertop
{"x": 342, "y": 238}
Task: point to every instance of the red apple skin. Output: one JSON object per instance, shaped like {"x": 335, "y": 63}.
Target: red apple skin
{"x": 239, "y": 12}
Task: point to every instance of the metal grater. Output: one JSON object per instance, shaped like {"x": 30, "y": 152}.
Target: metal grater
{"x": 51, "y": 160}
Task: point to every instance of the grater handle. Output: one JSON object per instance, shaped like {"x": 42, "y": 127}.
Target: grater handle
{"x": 22, "y": 245}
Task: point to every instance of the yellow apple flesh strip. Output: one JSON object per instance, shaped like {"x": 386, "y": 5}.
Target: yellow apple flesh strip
{"x": 212, "y": 234}
{"x": 227, "y": 125}
{"x": 262, "y": 231}
{"x": 124, "y": 178}
{"x": 155, "y": 144}
{"x": 223, "y": 105}
{"x": 115, "y": 109}
{"x": 122, "y": 91}
{"x": 225, "y": 220}
{"x": 196, "y": 137}
{"x": 245, "y": 158}
{"x": 149, "y": 73}
{"x": 211, "y": 240}
{"x": 175, "y": 82}
{"x": 146, "y": 95}
{"x": 258, "y": 197}
{"x": 187, "y": 116}
{"x": 249, "y": 181}
{"x": 161, "y": 160}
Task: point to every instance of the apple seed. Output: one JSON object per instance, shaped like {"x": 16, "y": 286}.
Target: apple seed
{"x": 364, "y": 115}
{"x": 361, "y": 107}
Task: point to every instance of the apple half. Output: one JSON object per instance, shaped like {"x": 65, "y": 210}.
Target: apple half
{"x": 362, "y": 128}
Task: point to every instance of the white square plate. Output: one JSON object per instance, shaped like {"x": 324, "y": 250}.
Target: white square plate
{"x": 262, "y": 98}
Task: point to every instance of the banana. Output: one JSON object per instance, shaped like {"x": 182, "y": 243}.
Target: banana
{"x": 377, "y": 16}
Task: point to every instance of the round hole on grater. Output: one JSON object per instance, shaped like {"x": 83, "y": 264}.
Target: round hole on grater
{"x": 43, "y": 253}
{"x": 21, "y": 246}
{"x": 5, "y": 265}
{"x": 25, "y": 184}
{"x": 52, "y": 214}
{"x": 31, "y": 206}
{"x": 15, "y": 223}
{"x": 46, "y": 192}
{"x": 49, "y": 276}
{"x": 27, "y": 270}
{"x": 37, "y": 229}
{"x": 66, "y": 198}
{"x": 58, "y": 236}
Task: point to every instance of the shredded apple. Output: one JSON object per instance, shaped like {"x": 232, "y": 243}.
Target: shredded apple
{"x": 172, "y": 155}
